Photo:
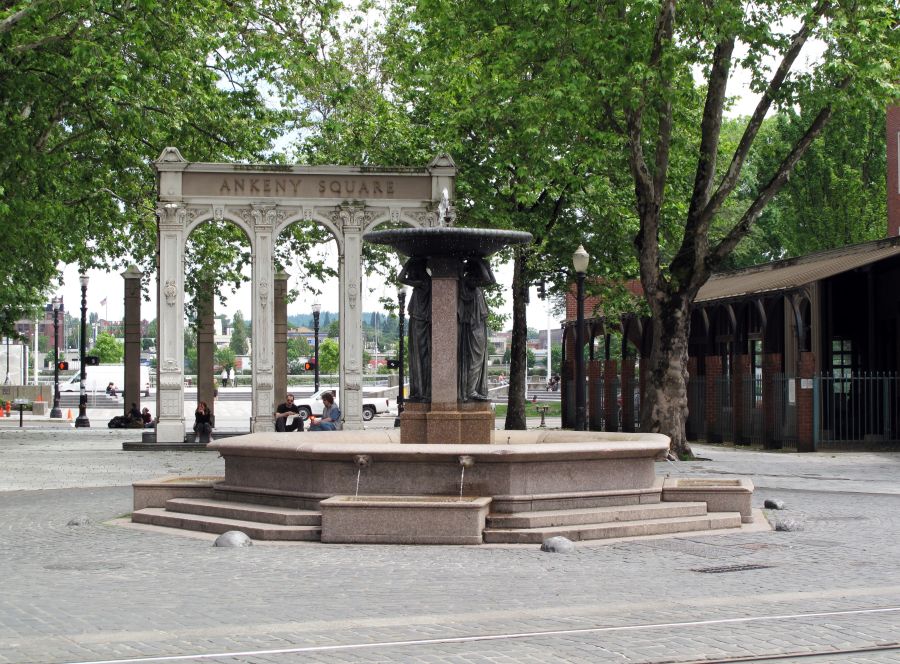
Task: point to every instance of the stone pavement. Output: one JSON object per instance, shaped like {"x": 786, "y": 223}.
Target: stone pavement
{"x": 101, "y": 592}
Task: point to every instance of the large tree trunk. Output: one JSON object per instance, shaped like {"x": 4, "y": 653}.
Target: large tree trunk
{"x": 664, "y": 403}
{"x": 515, "y": 410}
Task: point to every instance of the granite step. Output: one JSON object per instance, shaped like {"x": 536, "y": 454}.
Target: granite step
{"x": 158, "y": 516}
{"x": 596, "y": 531}
{"x": 284, "y": 516}
{"x": 595, "y": 515}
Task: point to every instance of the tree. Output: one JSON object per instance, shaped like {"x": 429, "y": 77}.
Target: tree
{"x": 298, "y": 349}
{"x": 649, "y": 64}
{"x": 225, "y": 358}
{"x": 238, "y": 342}
{"x": 329, "y": 356}
{"x": 108, "y": 349}
{"x": 334, "y": 329}
{"x": 91, "y": 93}
{"x": 503, "y": 89}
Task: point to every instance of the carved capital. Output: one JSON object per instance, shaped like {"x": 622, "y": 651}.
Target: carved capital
{"x": 351, "y": 218}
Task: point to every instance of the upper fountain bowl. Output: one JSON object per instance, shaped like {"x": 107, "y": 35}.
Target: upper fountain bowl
{"x": 448, "y": 241}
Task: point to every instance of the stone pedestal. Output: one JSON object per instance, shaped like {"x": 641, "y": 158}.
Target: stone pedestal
{"x": 469, "y": 423}
{"x": 413, "y": 424}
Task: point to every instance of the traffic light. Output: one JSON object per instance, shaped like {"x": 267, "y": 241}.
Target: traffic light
{"x": 393, "y": 364}
{"x": 62, "y": 366}
{"x": 310, "y": 364}
{"x": 91, "y": 360}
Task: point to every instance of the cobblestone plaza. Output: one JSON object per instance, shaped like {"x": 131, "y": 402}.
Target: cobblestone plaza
{"x": 81, "y": 587}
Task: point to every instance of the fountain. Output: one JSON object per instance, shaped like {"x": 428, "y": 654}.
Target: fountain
{"x": 522, "y": 486}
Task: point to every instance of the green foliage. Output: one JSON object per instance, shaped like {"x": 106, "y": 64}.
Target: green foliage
{"x": 238, "y": 343}
{"x": 108, "y": 349}
{"x": 93, "y": 91}
{"x": 298, "y": 349}
{"x": 329, "y": 356}
{"x": 224, "y": 357}
{"x": 334, "y": 329}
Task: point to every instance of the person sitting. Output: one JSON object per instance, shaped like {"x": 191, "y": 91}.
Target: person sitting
{"x": 203, "y": 423}
{"x": 331, "y": 415}
{"x": 147, "y": 418}
{"x": 286, "y": 411}
{"x": 111, "y": 390}
{"x": 135, "y": 413}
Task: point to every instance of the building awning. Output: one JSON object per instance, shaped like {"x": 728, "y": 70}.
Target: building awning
{"x": 793, "y": 273}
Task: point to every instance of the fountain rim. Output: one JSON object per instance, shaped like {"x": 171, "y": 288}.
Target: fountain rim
{"x": 448, "y": 240}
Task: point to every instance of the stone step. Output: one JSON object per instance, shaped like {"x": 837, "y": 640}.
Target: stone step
{"x": 595, "y": 515}
{"x": 283, "y": 516}
{"x": 211, "y": 524}
{"x": 595, "y": 531}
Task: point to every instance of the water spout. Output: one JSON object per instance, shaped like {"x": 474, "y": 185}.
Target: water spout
{"x": 465, "y": 461}
{"x": 361, "y": 461}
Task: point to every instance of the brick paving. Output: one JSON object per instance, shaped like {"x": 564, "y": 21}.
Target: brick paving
{"x": 98, "y": 591}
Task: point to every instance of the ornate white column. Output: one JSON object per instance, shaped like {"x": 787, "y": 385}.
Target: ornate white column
{"x": 352, "y": 220}
{"x": 262, "y": 218}
{"x": 170, "y": 355}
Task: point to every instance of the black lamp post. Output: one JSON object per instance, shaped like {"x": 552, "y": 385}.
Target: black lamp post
{"x": 316, "y": 309}
{"x": 401, "y": 296}
{"x": 580, "y": 261}
{"x": 56, "y": 412}
{"x": 82, "y": 420}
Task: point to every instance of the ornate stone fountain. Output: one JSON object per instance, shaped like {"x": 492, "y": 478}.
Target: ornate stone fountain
{"x": 447, "y": 476}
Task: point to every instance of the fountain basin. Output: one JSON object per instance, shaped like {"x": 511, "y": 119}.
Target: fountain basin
{"x": 518, "y": 469}
{"x": 404, "y": 519}
{"x": 720, "y": 494}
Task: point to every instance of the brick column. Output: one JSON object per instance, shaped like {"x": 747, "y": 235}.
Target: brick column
{"x": 691, "y": 429}
{"x": 610, "y": 402}
{"x": 739, "y": 400}
{"x": 628, "y": 394}
{"x": 281, "y": 368}
{"x": 132, "y": 386}
{"x": 594, "y": 372}
{"x": 713, "y": 373}
{"x": 206, "y": 346}
{"x": 805, "y": 402}
{"x": 771, "y": 365}
{"x": 893, "y": 170}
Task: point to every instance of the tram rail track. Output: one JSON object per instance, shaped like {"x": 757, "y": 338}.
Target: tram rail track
{"x": 613, "y": 629}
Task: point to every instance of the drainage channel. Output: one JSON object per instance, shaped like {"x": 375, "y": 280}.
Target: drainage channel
{"x": 377, "y": 645}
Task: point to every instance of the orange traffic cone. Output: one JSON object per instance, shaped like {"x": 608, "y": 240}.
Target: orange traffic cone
{"x": 69, "y": 414}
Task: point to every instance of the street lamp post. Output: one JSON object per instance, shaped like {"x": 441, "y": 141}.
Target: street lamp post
{"x": 580, "y": 261}
{"x": 56, "y": 412}
{"x": 316, "y": 309}
{"x": 82, "y": 420}
{"x": 401, "y": 296}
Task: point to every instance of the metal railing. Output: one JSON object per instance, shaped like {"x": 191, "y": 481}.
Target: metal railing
{"x": 855, "y": 409}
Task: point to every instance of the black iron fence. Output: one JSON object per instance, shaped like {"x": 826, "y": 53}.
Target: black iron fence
{"x": 850, "y": 410}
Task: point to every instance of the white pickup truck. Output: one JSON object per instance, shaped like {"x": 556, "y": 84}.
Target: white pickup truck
{"x": 312, "y": 405}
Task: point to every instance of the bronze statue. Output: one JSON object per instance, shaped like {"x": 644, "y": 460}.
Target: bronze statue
{"x": 472, "y": 341}
{"x": 416, "y": 275}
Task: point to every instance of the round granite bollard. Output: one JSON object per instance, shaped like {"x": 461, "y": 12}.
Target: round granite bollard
{"x": 774, "y": 504}
{"x": 233, "y": 538}
{"x": 787, "y": 525}
{"x": 558, "y": 544}
{"x": 79, "y": 521}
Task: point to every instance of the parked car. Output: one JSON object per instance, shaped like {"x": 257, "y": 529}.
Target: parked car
{"x": 312, "y": 405}
{"x": 99, "y": 376}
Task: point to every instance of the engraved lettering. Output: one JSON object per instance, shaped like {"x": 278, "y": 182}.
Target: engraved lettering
{"x": 238, "y": 185}
{"x": 390, "y": 187}
{"x": 363, "y": 188}
{"x": 295, "y": 185}
{"x": 321, "y": 186}
{"x": 349, "y": 186}
{"x": 267, "y": 186}
{"x": 376, "y": 187}
{"x": 254, "y": 189}
{"x": 224, "y": 189}
{"x": 281, "y": 187}
{"x": 335, "y": 187}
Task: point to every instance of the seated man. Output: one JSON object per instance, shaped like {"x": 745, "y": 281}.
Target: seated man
{"x": 331, "y": 415}
{"x": 285, "y": 411}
